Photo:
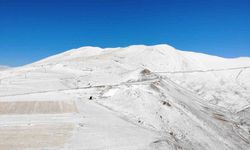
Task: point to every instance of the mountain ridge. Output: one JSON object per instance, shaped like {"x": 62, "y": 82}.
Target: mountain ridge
{"x": 151, "y": 97}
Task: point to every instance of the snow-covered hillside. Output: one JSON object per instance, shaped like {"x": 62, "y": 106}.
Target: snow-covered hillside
{"x": 3, "y": 67}
{"x": 142, "y": 97}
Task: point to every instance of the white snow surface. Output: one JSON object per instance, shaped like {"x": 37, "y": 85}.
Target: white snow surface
{"x": 142, "y": 98}
{"x": 3, "y": 67}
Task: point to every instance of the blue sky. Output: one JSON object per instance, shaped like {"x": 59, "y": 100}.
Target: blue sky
{"x": 34, "y": 29}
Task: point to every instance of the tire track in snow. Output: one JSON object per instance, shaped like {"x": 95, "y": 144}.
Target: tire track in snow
{"x": 86, "y": 87}
{"x": 201, "y": 71}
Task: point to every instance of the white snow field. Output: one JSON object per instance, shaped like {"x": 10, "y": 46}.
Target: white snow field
{"x": 142, "y": 98}
{"x": 3, "y": 67}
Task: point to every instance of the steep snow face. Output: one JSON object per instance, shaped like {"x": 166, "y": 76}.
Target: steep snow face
{"x": 146, "y": 97}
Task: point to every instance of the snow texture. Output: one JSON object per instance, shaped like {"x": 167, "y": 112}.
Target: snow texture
{"x": 142, "y": 98}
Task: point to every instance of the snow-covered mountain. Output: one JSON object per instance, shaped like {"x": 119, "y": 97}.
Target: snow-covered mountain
{"x": 137, "y": 97}
{"x": 3, "y": 67}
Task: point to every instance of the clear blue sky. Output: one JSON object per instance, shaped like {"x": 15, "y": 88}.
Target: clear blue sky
{"x": 34, "y": 29}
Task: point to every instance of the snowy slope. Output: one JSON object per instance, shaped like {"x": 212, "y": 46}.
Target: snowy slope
{"x": 144, "y": 97}
{"x": 3, "y": 67}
